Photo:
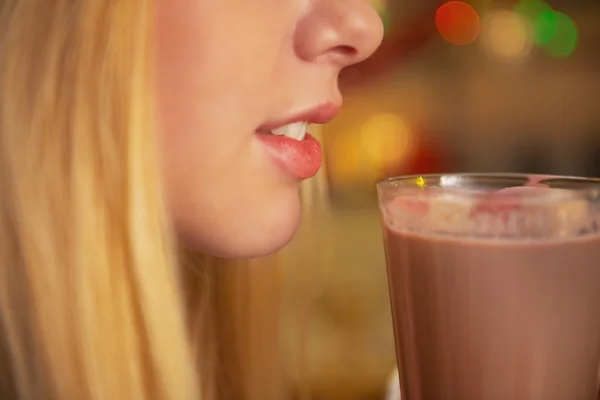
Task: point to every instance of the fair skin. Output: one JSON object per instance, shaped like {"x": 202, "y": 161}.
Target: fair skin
{"x": 226, "y": 68}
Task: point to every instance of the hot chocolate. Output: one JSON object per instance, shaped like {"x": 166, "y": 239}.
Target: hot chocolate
{"x": 494, "y": 295}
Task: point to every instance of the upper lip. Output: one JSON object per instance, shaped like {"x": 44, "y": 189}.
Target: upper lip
{"x": 321, "y": 114}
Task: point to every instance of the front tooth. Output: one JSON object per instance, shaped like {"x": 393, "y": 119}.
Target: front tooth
{"x": 297, "y": 130}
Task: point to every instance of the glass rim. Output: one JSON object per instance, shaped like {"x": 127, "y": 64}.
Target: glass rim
{"x": 587, "y": 187}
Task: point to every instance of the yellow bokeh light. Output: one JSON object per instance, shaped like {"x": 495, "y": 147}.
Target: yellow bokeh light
{"x": 383, "y": 142}
{"x": 507, "y": 35}
{"x": 345, "y": 159}
{"x": 386, "y": 140}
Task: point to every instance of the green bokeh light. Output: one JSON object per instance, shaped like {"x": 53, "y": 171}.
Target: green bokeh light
{"x": 387, "y": 21}
{"x": 545, "y": 27}
{"x": 556, "y": 33}
{"x": 384, "y": 13}
{"x": 532, "y": 9}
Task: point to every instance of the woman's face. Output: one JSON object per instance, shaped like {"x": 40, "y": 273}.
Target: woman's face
{"x": 229, "y": 73}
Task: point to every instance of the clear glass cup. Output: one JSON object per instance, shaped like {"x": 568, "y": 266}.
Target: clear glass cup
{"x": 494, "y": 284}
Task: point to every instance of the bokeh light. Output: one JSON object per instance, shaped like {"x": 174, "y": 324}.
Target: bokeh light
{"x": 344, "y": 164}
{"x": 458, "y": 22}
{"x": 382, "y": 8}
{"x": 531, "y": 9}
{"x": 556, "y": 33}
{"x": 545, "y": 27}
{"x": 507, "y": 35}
{"x": 382, "y": 142}
{"x": 386, "y": 140}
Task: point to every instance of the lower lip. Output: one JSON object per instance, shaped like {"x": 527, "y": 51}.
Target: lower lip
{"x": 301, "y": 159}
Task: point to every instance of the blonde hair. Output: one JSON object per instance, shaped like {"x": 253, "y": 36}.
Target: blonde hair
{"x": 96, "y": 302}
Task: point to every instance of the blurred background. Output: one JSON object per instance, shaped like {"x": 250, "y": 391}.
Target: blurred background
{"x": 476, "y": 86}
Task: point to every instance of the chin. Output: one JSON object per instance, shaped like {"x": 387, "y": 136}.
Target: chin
{"x": 257, "y": 234}
{"x": 256, "y": 245}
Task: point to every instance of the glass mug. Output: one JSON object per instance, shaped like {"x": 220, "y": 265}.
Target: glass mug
{"x": 494, "y": 284}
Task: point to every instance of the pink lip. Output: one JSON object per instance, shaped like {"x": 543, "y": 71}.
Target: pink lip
{"x": 318, "y": 115}
{"x": 300, "y": 159}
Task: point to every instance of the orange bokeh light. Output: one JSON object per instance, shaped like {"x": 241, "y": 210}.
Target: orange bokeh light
{"x": 458, "y": 22}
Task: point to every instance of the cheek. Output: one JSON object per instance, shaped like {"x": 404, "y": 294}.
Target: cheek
{"x": 224, "y": 195}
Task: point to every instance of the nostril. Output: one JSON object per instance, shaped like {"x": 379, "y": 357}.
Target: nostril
{"x": 345, "y": 51}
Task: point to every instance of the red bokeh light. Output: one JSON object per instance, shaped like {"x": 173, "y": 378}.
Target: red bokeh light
{"x": 458, "y": 22}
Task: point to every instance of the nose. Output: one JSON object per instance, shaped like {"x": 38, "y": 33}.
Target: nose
{"x": 339, "y": 32}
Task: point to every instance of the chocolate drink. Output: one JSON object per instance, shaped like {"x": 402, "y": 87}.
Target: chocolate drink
{"x": 488, "y": 314}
